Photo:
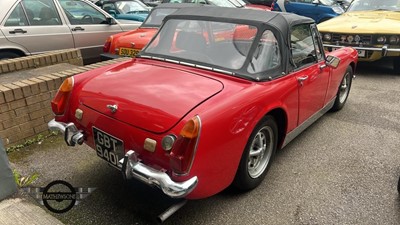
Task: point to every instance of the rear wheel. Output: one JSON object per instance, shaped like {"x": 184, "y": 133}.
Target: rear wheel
{"x": 398, "y": 186}
{"x": 258, "y": 155}
{"x": 8, "y": 55}
{"x": 343, "y": 90}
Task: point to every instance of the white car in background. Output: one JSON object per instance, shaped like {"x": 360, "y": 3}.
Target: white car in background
{"x": 37, "y": 26}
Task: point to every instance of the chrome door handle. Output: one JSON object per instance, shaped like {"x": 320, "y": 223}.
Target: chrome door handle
{"x": 17, "y": 31}
{"x": 301, "y": 79}
{"x": 77, "y": 28}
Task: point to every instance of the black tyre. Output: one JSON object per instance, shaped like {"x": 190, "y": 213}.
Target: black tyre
{"x": 398, "y": 186}
{"x": 8, "y": 55}
{"x": 258, "y": 155}
{"x": 396, "y": 65}
{"x": 343, "y": 90}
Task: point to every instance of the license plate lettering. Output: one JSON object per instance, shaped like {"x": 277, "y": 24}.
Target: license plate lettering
{"x": 108, "y": 147}
{"x": 128, "y": 52}
{"x": 109, "y": 156}
{"x": 106, "y": 141}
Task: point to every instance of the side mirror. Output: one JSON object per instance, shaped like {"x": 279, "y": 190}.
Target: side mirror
{"x": 110, "y": 21}
{"x": 316, "y": 2}
{"x": 332, "y": 61}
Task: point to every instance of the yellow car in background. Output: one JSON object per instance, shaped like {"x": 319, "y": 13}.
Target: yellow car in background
{"x": 370, "y": 26}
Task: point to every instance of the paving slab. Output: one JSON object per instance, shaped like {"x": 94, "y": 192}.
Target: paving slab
{"x": 17, "y": 211}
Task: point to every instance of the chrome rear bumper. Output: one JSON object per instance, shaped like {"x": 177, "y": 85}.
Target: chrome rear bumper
{"x": 131, "y": 167}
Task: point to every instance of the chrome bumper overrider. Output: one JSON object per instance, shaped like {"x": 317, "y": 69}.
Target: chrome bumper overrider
{"x": 384, "y": 49}
{"x": 131, "y": 166}
{"x": 72, "y": 135}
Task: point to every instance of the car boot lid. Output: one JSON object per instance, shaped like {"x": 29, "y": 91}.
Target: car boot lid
{"x": 151, "y": 99}
{"x": 136, "y": 39}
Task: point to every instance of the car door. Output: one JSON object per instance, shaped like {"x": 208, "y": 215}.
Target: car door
{"x": 309, "y": 9}
{"x": 288, "y": 6}
{"x": 311, "y": 71}
{"x": 89, "y": 27}
{"x": 300, "y": 7}
{"x": 35, "y": 26}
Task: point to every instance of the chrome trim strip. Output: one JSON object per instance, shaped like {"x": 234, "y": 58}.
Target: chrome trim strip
{"x": 384, "y": 48}
{"x": 294, "y": 133}
{"x": 187, "y": 64}
{"x": 132, "y": 168}
{"x": 223, "y": 71}
{"x": 158, "y": 58}
{"x": 173, "y": 61}
{"x": 204, "y": 67}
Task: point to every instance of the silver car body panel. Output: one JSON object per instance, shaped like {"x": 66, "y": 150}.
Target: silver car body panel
{"x": 36, "y": 39}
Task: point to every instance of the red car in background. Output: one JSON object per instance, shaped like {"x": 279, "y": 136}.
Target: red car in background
{"x": 208, "y": 102}
{"x": 131, "y": 42}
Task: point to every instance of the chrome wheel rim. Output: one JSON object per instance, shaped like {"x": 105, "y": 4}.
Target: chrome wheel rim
{"x": 344, "y": 88}
{"x": 260, "y": 152}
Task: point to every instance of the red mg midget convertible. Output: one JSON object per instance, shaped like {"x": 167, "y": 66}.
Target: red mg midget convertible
{"x": 208, "y": 101}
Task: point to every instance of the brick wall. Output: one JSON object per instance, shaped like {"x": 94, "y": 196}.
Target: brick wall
{"x": 25, "y": 105}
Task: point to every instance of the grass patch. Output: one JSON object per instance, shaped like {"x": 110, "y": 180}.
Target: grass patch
{"x": 24, "y": 181}
{"x": 36, "y": 140}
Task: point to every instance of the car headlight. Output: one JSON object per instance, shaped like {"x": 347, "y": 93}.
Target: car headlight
{"x": 381, "y": 39}
{"x": 338, "y": 9}
{"x": 394, "y": 40}
{"x": 327, "y": 37}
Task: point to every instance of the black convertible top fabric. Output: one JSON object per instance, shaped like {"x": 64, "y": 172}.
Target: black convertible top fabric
{"x": 281, "y": 21}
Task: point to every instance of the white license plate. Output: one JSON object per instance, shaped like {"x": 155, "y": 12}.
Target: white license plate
{"x": 108, "y": 147}
{"x": 361, "y": 53}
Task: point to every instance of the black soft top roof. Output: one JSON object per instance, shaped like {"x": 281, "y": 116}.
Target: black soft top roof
{"x": 280, "y": 20}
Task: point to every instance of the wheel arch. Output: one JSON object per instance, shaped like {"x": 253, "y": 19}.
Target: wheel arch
{"x": 281, "y": 119}
{"x": 14, "y": 50}
{"x": 353, "y": 66}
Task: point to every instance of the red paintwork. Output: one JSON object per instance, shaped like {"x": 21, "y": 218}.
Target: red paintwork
{"x": 229, "y": 109}
{"x": 140, "y": 37}
{"x": 145, "y": 112}
{"x": 259, "y": 7}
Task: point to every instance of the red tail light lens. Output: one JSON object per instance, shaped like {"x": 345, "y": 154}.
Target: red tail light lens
{"x": 272, "y": 6}
{"x": 107, "y": 45}
{"x": 182, "y": 154}
{"x": 59, "y": 102}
